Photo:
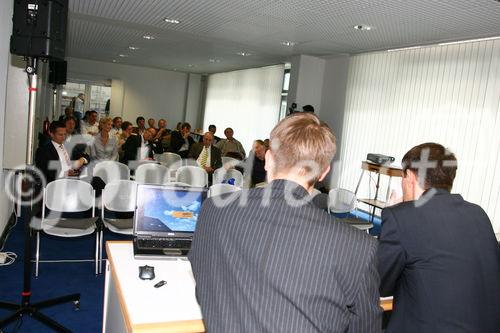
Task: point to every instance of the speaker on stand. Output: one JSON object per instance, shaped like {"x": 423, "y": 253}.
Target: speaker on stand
{"x": 38, "y": 33}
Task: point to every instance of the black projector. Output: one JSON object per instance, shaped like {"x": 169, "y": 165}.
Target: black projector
{"x": 379, "y": 159}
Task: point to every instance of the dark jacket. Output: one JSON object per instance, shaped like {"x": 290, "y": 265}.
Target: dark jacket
{"x": 439, "y": 257}
{"x": 215, "y": 154}
{"x": 177, "y": 141}
{"x": 132, "y": 146}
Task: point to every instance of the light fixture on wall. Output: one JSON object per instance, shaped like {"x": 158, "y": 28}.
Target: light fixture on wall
{"x": 405, "y": 48}
{"x": 469, "y": 41}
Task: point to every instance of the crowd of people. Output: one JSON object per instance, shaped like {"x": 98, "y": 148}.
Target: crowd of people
{"x": 111, "y": 139}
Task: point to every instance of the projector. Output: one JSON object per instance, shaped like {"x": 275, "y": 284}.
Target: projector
{"x": 379, "y": 158}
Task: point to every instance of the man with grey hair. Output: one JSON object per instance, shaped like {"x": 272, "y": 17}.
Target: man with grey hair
{"x": 269, "y": 260}
{"x": 206, "y": 155}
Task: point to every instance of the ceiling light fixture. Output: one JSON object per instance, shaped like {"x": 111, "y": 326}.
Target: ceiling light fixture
{"x": 244, "y": 54}
{"x": 469, "y": 41}
{"x": 288, "y": 43}
{"x": 363, "y": 27}
{"x": 133, "y": 48}
{"x": 149, "y": 37}
{"x": 405, "y": 49}
{"x": 190, "y": 65}
{"x": 114, "y": 60}
{"x": 173, "y": 21}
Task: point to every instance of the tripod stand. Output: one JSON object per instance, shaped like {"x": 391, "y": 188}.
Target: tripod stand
{"x": 26, "y": 307}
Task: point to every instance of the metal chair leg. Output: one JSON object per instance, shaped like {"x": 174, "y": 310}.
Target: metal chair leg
{"x": 96, "y": 255}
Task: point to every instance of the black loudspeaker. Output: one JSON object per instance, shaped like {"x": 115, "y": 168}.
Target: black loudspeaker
{"x": 57, "y": 71}
{"x": 39, "y": 28}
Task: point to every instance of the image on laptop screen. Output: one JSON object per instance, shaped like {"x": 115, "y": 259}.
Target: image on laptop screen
{"x": 168, "y": 209}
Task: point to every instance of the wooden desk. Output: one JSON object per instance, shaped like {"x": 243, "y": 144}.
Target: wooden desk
{"x": 134, "y": 305}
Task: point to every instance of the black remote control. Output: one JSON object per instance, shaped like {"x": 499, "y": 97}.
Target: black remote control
{"x": 161, "y": 283}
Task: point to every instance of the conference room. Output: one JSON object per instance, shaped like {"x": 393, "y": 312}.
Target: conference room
{"x": 160, "y": 108}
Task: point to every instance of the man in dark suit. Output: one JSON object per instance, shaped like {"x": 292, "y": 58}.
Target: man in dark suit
{"x": 206, "y": 155}
{"x": 268, "y": 260}
{"x": 181, "y": 141}
{"x": 141, "y": 147}
{"x": 54, "y": 160}
{"x": 438, "y": 254}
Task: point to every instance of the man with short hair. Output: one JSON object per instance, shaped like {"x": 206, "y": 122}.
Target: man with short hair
{"x": 212, "y": 129}
{"x": 230, "y": 146}
{"x": 116, "y": 130}
{"x": 181, "y": 141}
{"x": 151, "y": 123}
{"x": 54, "y": 160}
{"x": 437, "y": 252}
{"x": 141, "y": 127}
{"x": 268, "y": 260}
{"x": 206, "y": 155}
{"x": 140, "y": 147}
{"x": 91, "y": 126}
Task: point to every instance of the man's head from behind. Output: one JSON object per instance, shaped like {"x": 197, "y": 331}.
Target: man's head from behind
{"x": 428, "y": 165}
{"x": 301, "y": 148}
{"x": 57, "y": 131}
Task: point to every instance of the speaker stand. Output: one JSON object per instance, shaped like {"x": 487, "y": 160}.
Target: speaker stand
{"x": 26, "y": 307}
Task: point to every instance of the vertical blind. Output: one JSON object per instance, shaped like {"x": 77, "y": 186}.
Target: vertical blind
{"x": 248, "y": 101}
{"x": 445, "y": 94}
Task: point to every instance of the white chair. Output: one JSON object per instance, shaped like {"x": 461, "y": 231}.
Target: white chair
{"x": 151, "y": 173}
{"x": 218, "y": 189}
{"x": 119, "y": 196}
{"x": 222, "y": 175}
{"x": 68, "y": 196}
{"x": 192, "y": 175}
{"x": 110, "y": 171}
{"x": 189, "y": 162}
{"x": 342, "y": 201}
{"x": 229, "y": 162}
{"x": 171, "y": 160}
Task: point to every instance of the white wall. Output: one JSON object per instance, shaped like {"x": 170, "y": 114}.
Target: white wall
{"x": 306, "y": 81}
{"x": 332, "y": 107}
{"x": 151, "y": 93}
{"x": 193, "y": 101}
{"x": 5, "y": 32}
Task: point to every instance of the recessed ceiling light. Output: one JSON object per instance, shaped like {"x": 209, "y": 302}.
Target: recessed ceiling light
{"x": 133, "y": 48}
{"x": 114, "y": 60}
{"x": 288, "y": 43}
{"x": 170, "y": 20}
{"x": 148, "y": 37}
{"x": 190, "y": 65}
{"x": 244, "y": 54}
{"x": 123, "y": 55}
{"x": 363, "y": 27}
{"x": 214, "y": 60}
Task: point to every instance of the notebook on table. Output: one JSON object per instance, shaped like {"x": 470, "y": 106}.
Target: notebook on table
{"x": 165, "y": 220}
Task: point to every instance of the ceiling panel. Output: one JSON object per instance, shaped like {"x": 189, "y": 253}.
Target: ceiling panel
{"x": 218, "y": 29}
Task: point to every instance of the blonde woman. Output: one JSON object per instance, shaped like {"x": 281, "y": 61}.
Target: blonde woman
{"x": 104, "y": 146}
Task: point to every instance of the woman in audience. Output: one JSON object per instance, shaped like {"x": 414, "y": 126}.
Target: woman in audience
{"x": 105, "y": 146}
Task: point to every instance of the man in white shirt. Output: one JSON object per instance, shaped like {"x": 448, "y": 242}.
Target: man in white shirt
{"x": 206, "y": 155}
{"x": 54, "y": 160}
{"x": 91, "y": 126}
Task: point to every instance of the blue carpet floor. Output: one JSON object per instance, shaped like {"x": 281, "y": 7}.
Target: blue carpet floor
{"x": 56, "y": 279}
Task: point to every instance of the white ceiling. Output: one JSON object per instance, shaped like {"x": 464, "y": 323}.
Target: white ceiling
{"x": 219, "y": 29}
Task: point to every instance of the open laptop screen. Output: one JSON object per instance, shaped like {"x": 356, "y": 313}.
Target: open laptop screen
{"x": 168, "y": 209}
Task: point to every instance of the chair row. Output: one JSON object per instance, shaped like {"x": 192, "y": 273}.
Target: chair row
{"x": 77, "y": 198}
{"x": 154, "y": 173}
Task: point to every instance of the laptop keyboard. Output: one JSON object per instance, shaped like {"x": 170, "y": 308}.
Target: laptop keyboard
{"x": 163, "y": 243}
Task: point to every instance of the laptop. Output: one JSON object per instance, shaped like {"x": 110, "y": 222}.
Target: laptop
{"x": 165, "y": 220}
